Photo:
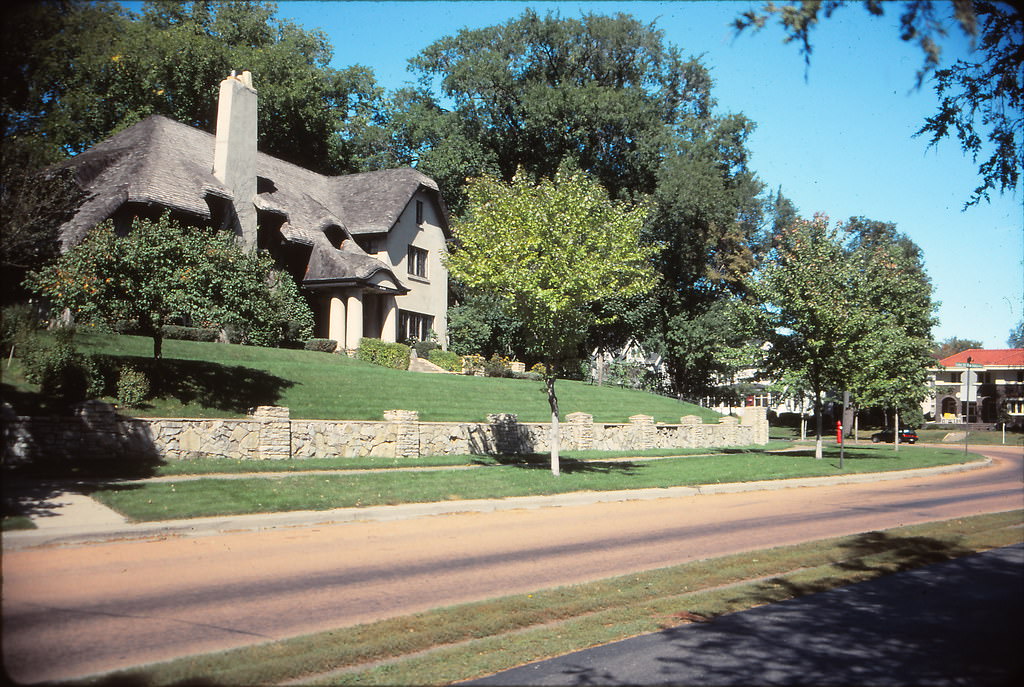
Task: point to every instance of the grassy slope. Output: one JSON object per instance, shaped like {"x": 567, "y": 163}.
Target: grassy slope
{"x": 222, "y": 380}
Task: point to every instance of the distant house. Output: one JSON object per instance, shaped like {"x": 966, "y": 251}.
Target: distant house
{"x": 979, "y": 394}
{"x": 366, "y": 249}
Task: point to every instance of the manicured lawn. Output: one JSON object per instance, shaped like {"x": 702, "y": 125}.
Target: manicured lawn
{"x": 222, "y": 380}
{"x": 521, "y": 476}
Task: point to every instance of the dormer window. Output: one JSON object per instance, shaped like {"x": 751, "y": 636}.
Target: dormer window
{"x": 335, "y": 236}
{"x": 419, "y": 212}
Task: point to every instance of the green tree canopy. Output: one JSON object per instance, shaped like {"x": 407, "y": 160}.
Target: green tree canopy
{"x": 162, "y": 271}
{"x": 76, "y": 72}
{"x": 550, "y": 251}
{"x": 953, "y": 345}
{"x": 609, "y": 95}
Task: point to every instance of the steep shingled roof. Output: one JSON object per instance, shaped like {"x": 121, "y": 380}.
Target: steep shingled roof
{"x": 166, "y": 163}
{"x": 993, "y": 357}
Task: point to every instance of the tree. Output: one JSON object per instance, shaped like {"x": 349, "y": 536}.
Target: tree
{"x": 809, "y": 313}
{"x": 893, "y": 359}
{"x": 953, "y": 345}
{"x": 611, "y": 96}
{"x": 981, "y": 102}
{"x": 551, "y": 251}
{"x": 34, "y": 206}
{"x": 73, "y": 73}
{"x": 162, "y": 271}
{"x": 1016, "y": 338}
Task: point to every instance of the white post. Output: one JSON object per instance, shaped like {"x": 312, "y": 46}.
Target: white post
{"x": 896, "y": 428}
{"x": 389, "y": 328}
{"x": 336, "y": 317}
{"x": 354, "y": 319}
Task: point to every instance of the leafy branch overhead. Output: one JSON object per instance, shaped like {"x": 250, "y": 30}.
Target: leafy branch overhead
{"x": 981, "y": 98}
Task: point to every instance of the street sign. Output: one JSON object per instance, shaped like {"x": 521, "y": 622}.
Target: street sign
{"x": 968, "y": 365}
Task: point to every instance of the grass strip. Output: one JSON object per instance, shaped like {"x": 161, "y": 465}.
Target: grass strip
{"x": 211, "y": 466}
{"x": 529, "y": 476}
{"x": 474, "y": 639}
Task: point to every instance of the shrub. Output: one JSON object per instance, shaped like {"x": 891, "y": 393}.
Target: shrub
{"x": 132, "y": 387}
{"x": 496, "y": 366}
{"x": 424, "y": 348}
{"x": 321, "y": 345}
{"x": 472, "y": 364}
{"x": 539, "y": 369}
{"x": 394, "y": 355}
{"x": 57, "y": 367}
{"x": 446, "y": 360}
{"x": 18, "y": 323}
{"x": 176, "y": 331}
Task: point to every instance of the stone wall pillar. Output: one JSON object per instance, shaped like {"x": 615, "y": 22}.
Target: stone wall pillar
{"x": 643, "y": 431}
{"x": 406, "y": 425}
{"x": 757, "y": 416}
{"x": 582, "y": 427}
{"x": 275, "y": 441}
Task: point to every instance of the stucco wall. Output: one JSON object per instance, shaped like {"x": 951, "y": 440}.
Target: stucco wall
{"x": 428, "y": 296}
{"x": 96, "y": 432}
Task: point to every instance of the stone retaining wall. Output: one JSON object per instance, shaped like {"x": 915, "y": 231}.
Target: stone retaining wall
{"x": 96, "y": 432}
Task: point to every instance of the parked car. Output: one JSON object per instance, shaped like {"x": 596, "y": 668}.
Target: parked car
{"x": 907, "y": 436}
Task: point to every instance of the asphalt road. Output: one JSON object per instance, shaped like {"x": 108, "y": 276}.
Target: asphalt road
{"x": 78, "y": 610}
{"x": 955, "y": 623}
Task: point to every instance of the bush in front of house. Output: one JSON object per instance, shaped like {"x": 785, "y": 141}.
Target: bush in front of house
{"x": 496, "y": 366}
{"x": 132, "y": 387}
{"x": 182, "y": 333}
{"x": 446, "y": 360}
{"x": 393, "y": 355}
{"x": 321, "y": 345}
{"x": 58, "y": 368}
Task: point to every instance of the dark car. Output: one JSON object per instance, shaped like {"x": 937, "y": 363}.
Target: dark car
{"x": 907, "y": 436}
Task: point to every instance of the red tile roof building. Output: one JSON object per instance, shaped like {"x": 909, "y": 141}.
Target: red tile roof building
{"x": 991, "y": 390}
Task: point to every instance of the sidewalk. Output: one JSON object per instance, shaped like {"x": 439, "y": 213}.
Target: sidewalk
{"x": 68, "y": 517}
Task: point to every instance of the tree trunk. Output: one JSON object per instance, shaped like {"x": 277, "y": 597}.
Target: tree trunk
{"x": 817, "y": 425}
{"x": 896, "y": 429}
{"x": 555, "y": 433}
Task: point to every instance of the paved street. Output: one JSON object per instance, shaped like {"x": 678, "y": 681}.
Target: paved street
{"x": 81, "y": 609}
{"x": 955, "y": 623}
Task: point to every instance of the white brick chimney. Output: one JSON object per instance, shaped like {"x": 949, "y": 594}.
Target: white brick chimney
{"x": 234, "y": 156}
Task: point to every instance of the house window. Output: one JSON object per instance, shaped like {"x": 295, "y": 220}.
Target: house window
{"x": 417, "y": 262}
{"x": 419, "y": 212}
{"x": 413, "y": 326}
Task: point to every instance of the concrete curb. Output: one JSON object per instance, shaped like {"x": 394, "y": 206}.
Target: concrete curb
{"x": 113, "y": 531}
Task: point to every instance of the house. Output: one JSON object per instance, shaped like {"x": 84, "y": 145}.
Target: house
{"x": 990, "y": 390}
{"x": 366, "y": 249}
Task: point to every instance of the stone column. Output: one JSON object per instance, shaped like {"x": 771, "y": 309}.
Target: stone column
{"x": 275, "y": 442}
{"x": 354, "y": 319}
{"x": 582, "y": 427}
{"x": 389, "y": 320}
{"x": 407, "y": 432}
{"x": 758, "y": 418}
{"x": 336, "y": 317}
{"x": 643, "y": 431}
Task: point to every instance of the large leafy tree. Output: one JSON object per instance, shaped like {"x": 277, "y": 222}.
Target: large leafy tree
{"x": 162, "y": 271}
{"x": 604, "y": 92}
{"x": 893, "y": 359}
{"x": 75, "y": 72}
{"x": 609, "y": 95}
{"x": 551, "y": 251}
{"x": 809, "y": 314}
{"x": 981, "y": 98}
{"x": 847, "y": 307}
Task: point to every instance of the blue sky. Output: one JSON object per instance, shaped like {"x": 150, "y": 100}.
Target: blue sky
{"x": 837, "y": 137}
